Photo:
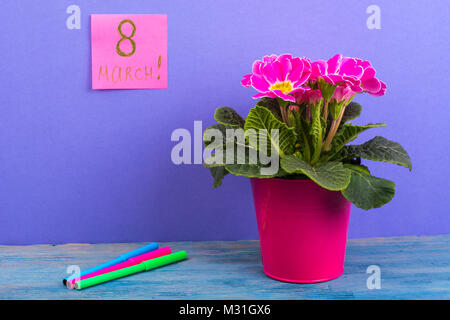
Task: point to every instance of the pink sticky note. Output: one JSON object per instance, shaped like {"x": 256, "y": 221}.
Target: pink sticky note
{"x": 129, "y": 51}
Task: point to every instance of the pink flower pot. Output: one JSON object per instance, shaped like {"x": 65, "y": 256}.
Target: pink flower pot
{"x": 302, "y": 229}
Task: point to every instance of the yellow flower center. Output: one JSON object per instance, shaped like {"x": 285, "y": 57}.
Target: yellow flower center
{"x": 285, "y": 86}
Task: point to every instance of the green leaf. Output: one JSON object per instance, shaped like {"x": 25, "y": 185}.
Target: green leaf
{"x": 227, "y": 139}
{"x": 330, "y": 175}
{"x": 271, "y": 104}
{"x": 303, "y": 137}
{"x": 244, "y": 167}
{"x": 335, "y": 108}
{"x": 209, "y": 144}
{"x": 240, "y": 164}
{"x": 379, "y": 149}
{"x": 358, "y": 167}
{"x": 228, "y": 144}
{"x": 316, "y": 132}
{"x": 327, "y": 89}
{"x": 250, "y": 171}
{"x": 366, "y": 191}
{"x": 352, "y": 111}
{"x": 348, "y": 133}
{"x": 217, "y": 126}
{"x": 227, "y": 116}
{"x": 260, "y": 118}
{"x": 218, "y": 174}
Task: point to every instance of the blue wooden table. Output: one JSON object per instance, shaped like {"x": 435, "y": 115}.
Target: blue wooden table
{"x": 411, "y": 268}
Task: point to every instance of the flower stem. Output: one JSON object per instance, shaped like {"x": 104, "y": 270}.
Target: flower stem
{"x": 308, "y": 114}
{"x": 283, "y": 114}
{"x": 325, "y": 110}
{"x": 334, "y": 126}
{"x": 283, "y": 106}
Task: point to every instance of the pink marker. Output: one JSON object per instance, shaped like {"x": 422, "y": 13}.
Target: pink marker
{"x": 130, "y": 262}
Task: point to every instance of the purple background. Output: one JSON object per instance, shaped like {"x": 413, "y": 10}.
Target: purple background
{"x": 78, "y": 165}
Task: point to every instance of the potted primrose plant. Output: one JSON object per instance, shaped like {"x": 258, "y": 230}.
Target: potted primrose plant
{"x": 301, "y": 127}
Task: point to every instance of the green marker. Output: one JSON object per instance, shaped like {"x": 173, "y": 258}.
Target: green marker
{"x": 143, "y": 266}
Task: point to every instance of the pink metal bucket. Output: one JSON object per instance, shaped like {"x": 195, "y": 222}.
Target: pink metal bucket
{"x": 302, "y": 229}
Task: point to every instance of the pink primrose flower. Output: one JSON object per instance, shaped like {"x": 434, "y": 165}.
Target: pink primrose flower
{"x": 278, "y": 76}
{"x": 357, "y": 74}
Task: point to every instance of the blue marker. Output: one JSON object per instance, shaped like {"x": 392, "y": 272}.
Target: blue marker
{"x": 119, "y": 259}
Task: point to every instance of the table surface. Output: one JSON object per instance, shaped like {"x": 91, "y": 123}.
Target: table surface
{"x": 411, "y": 268}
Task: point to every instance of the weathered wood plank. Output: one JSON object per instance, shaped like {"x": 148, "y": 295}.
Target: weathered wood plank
{"x": 411, "y": 268}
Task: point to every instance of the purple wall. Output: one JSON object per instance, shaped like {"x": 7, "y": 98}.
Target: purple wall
{"x": 78, "y": 165}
